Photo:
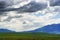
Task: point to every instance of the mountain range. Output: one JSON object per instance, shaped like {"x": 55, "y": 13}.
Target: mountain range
{"x": 5, "y": 30}
{"x": 54, "y": 28}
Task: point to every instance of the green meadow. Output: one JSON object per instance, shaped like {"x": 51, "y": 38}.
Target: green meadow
{"x": 29, "y": 36}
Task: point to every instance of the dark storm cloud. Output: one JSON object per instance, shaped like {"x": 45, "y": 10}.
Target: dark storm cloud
{"x": 2, "y": 5}
{"x": 54, "y": 2}
{"x": 31, "y": 7}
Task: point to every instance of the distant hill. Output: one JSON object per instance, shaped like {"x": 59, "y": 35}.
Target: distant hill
{"x": 5, "y": 30}
{"x": 54, "y": 28}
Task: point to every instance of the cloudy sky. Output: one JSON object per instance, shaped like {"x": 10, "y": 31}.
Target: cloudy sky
{"x": 28, "y": 15}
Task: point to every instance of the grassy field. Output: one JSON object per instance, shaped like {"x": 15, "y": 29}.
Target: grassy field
{"x": 29, "y": 36}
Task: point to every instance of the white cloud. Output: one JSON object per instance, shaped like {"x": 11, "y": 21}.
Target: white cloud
{"x": 29, "y": 21}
